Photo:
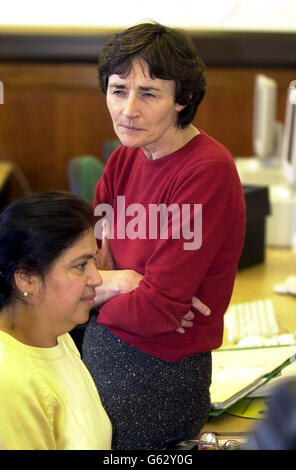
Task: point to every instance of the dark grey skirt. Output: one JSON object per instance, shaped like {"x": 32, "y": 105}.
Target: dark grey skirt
{"x": 151, "y": 403}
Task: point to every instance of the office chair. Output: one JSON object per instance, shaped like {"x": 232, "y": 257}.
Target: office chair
{"x": 109, "y": 147}
{"x": 83, "y": 174}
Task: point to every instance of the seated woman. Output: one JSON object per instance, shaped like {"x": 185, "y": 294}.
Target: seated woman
{"x": 48, "y": 400}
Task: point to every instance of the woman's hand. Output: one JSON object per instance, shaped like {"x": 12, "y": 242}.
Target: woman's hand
{"x": 104, "y": 258}
{"x": 187, "y": 319}
{"x": 115, "y": 281}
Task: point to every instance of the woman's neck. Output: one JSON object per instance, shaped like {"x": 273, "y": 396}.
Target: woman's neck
{"x": 20, "y": 323}
{"x": 180, "y": 138}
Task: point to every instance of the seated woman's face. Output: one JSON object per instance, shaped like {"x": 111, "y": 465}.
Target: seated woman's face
{"x": 68, "y": 293}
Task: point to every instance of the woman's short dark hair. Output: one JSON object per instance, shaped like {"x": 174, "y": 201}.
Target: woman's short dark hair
{"x": 170, "y": 54}
{"x": 34, "y": 231}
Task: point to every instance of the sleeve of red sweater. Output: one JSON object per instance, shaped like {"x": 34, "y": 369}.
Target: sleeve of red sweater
{"x": 172, "y": 274}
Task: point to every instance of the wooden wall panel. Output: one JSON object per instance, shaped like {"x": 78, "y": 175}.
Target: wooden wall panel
{"x": 54, "y": 111}
{"x": 50, "y": 114}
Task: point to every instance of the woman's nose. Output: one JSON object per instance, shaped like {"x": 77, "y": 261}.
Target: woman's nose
{"x": 95, "y": 279}
{"x": 131, "y": 107}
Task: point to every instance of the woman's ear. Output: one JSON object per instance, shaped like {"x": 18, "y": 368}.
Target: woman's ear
{"x": 26, "y": 282}
{"x": 179, "y": 107}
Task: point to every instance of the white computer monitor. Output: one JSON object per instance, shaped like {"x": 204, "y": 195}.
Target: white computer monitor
{"x": 289, "y": 138}
{"x": 267, "y": 170}
{"x": 266, "y": 130}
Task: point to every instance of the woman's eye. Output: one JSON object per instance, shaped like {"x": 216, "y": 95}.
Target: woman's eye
{"x": 81, "y": 266}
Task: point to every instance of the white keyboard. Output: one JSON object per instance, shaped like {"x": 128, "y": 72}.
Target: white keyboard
{"x": 255, "y": 318}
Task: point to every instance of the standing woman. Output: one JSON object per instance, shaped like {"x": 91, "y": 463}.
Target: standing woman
{"x": 153, "y": 381}
{"x": 48, "y": 400}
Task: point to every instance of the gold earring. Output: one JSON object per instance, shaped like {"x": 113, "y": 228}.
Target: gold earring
{"x": 26, "y": 293}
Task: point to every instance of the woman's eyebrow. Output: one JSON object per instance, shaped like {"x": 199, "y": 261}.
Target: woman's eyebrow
{"x": 84, "y": 257}
{"x": 117, "y": 85}
{"x": 141, "y": 87}
{"x": 149, "y": 88}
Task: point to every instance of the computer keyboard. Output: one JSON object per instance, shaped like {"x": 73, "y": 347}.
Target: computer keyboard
{"x": 256, "y": 318}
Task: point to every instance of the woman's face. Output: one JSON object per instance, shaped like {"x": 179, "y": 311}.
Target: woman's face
{"x": 68, "y": 293}
{"x": 143, "y": 110}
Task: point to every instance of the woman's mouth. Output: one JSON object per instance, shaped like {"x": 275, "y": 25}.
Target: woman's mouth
{"x": 130, "y": 128}
{"x": 89, "y": 299}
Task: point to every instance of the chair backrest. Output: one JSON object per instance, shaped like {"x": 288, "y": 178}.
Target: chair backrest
{"x": 109, "y": 146}
{"x": 83, "y": 174}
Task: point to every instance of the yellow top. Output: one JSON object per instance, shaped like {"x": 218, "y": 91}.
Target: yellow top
{"x": 48, "y": 400}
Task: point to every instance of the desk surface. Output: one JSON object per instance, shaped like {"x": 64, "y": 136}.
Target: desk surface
{"x": 255, "y": 283}
{"x": 5, "y": 171}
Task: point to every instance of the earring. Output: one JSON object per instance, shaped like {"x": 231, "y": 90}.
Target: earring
{"x": 26, "y": 293}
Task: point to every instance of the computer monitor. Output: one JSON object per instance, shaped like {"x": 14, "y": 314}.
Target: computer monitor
{"x": 279, "y": 173}
{"x": 289, "y": 139}
{"x": 267, "y": 131}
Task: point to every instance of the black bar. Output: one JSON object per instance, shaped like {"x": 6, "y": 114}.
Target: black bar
{"x": 216, "y": 48}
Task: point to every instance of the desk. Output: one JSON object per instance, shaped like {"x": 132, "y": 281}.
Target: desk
{"x": 5, "y": 172}
{"x": 257, "y": 283}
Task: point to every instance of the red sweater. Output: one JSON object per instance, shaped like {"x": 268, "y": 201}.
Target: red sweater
{"x": 202, "y": 172}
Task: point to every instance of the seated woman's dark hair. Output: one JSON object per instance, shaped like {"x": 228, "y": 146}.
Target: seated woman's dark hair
{"x": 34, "y": 231}
{"x": 170, "y": 55}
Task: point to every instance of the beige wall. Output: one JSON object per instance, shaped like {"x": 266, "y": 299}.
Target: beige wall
{"x": 271, "y": 15}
